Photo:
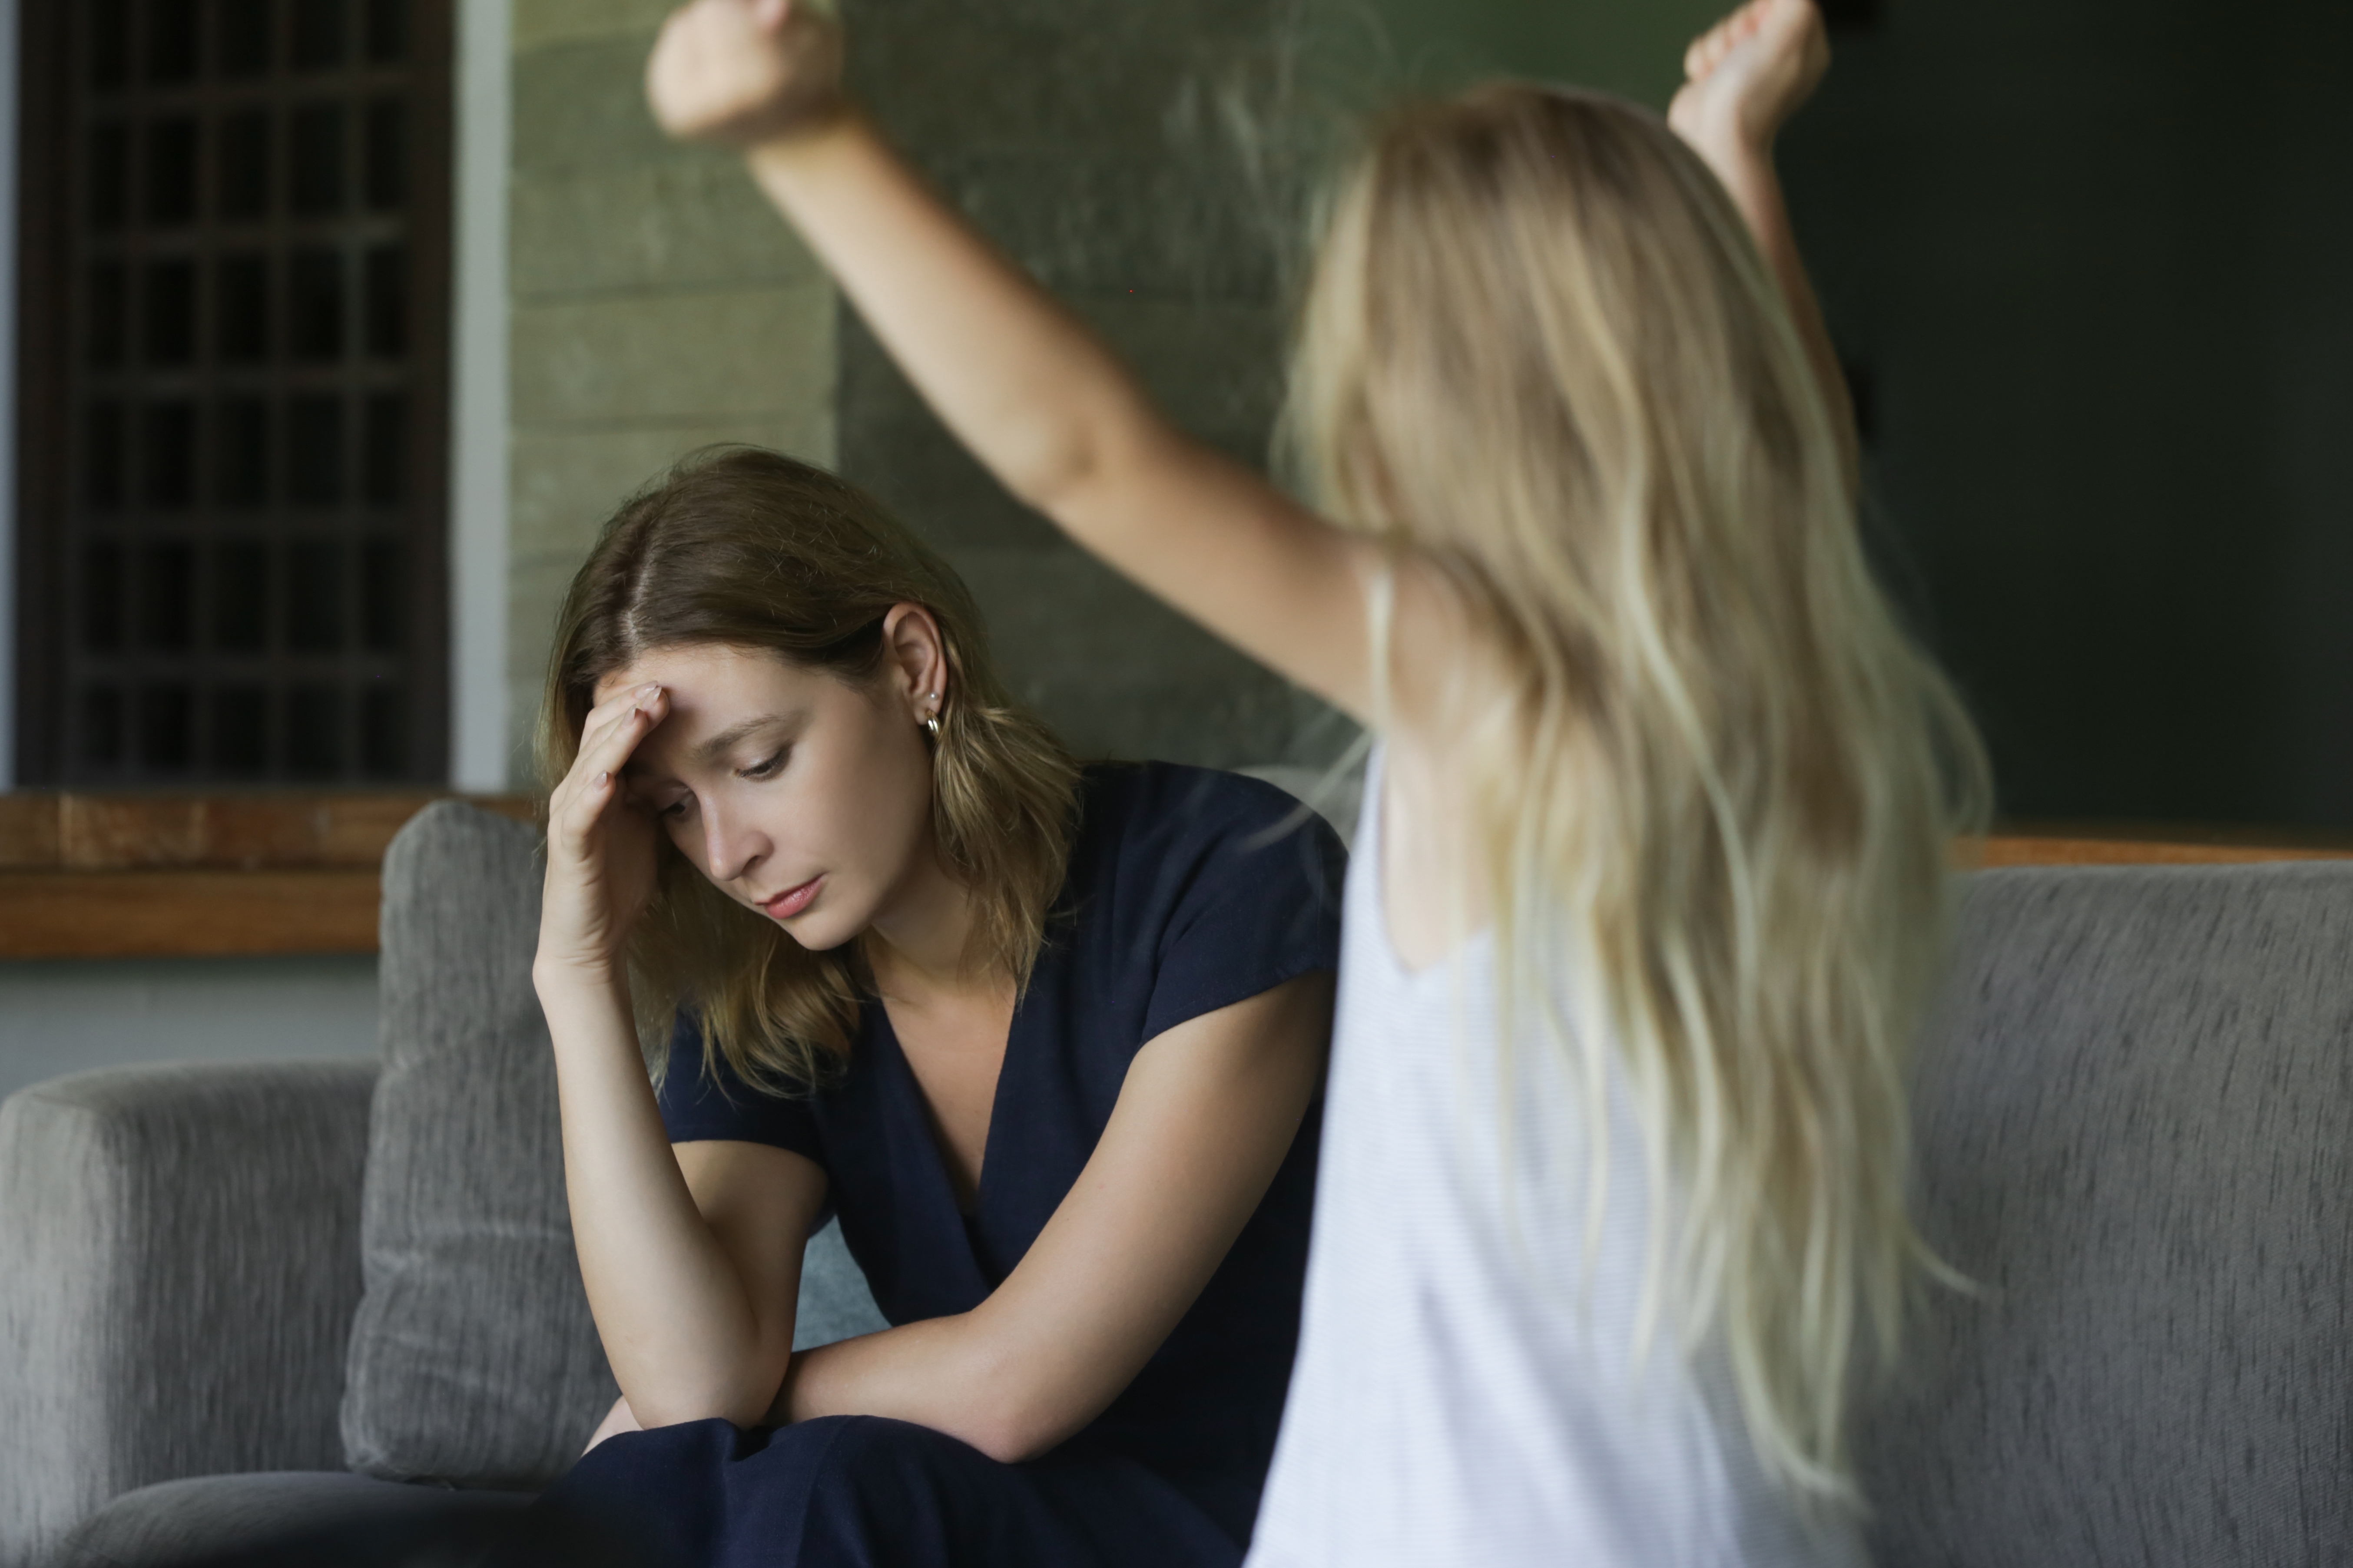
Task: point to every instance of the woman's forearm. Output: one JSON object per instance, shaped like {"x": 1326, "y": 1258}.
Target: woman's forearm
{"x": 942, "y": 1373}
{"x": 1018, "y": 379}
{"x": 1756, "y": 187}
{"x": 677, "y": 1323}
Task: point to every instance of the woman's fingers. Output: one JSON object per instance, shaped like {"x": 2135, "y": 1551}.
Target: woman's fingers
{"x": 605, "y": 747}
{"x": 611, "y": 735}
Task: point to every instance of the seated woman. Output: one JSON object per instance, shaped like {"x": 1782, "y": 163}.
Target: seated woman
{"x": 1049, "y": 1039}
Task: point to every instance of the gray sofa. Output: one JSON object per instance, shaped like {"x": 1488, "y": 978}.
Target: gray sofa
{"x": 233, "y": 1299}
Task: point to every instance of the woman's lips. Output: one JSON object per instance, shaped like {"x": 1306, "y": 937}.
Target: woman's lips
{"x": 792, "y": 900}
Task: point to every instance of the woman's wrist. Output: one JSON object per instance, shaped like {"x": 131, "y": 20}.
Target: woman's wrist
{"x": 791, "y": 147}
{"x": 560, "y": 977}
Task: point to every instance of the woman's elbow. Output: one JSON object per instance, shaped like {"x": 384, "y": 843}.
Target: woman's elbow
{"x": 1013, "y": 1439}
{"x": 739, "y": 1403}
{"x": 1021, "y": 1422}
{"x": 1067, "y": 471}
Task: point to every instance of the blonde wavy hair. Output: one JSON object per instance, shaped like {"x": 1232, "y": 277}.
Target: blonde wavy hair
{"x": 1542, "y": 355}
{"x": 748, "y": 548}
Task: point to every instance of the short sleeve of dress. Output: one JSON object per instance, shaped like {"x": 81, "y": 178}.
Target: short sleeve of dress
{"x": 1254, "y": 895}
{"x": 717, "y": 1106}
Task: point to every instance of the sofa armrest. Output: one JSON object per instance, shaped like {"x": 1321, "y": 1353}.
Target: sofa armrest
{"x": 179, "y": 1262}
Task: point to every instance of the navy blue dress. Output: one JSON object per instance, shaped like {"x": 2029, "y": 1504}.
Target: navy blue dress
{"x": 1189, "y": 890}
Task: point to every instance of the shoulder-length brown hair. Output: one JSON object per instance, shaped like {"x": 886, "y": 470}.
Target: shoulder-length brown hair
{"x": 749, "y": 548}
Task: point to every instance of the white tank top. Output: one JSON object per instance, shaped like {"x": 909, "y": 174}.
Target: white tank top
{"x": 1465, "y": 1396}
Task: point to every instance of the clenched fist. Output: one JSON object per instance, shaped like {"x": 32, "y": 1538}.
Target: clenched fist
{"x": 744, "y": 71}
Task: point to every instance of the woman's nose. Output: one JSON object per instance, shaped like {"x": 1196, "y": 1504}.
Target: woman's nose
{"x": 731, "y": 849}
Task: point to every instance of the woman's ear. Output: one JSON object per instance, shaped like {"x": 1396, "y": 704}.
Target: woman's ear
{"x": 916, "y": 659}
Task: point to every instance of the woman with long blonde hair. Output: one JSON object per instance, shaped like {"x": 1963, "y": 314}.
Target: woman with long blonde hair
{"x": 1045, "y": 1037}
{"x": 1652, "y": 882}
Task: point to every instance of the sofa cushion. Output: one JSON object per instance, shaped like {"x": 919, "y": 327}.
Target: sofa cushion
{"x": 2135, "y": 1131}
{"x": 473, "y": 1357}
{"x": 241, "y": 1519}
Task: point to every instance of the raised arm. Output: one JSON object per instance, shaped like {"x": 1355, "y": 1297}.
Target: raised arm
{"x": 1745, "y": 77}
{"x": 1020, "y": 382}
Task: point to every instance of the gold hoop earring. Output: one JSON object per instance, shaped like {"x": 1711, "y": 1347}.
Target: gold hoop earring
{"x": 931, "y": 720}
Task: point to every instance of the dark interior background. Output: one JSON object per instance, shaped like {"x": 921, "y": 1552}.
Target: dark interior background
{"x": 2092, "y": 262}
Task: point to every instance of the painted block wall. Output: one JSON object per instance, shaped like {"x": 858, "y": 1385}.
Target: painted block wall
{"x": 74, "y": 1016}
{"x": 656, "y": 305}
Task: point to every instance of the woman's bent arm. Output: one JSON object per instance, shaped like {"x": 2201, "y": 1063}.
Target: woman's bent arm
{"x": 692, "y": 1257}
{"x": 1204, "y": 1119}
{"x": 692, "y": 1285}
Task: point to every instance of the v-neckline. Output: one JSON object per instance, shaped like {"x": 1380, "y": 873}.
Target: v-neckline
{"x": 968, "y": 1223}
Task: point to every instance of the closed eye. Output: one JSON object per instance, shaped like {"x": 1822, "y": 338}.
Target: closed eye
{"x": 765, "y": 768}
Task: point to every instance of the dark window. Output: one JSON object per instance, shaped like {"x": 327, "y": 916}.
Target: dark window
{"x": 382, "y": 600}
{"x": 387, "y": 155}
{"x": 233, "y": 390}
{"x": 314, "y": 597}
{"x": 101, "y": 590}
{"x": 244, "y": 302}
{"x": 385, "y": 451}
{"x": 172, "y": 172}
{"x": 314, "y": 733}
{"x": 245, "y": 165}
{"x": 245, "y": 31}
{"x": 385, "y": 302}
{"x": 105, "y": 455}
{"x": 167, "y": 440}
{"x": 171, "y": 311}
{"x": 170, "y": 42}
{"x": 387, "y": 32}
{"x": 110, "y": 175}
{"x": 241, "y": 731}
{"x": 318, "y": 137}
{"x": 109, "y": 45}
{"x": 107, "y": 305}
{"x": 167, "y": 727}
{"x": 241, "y": 597}
{"x": 242, "y": 478}
{"x": 101, "y": 726}
{"x": 318, "y": 34}
{"x": 315, "y": 304}
{"x": 382, "y": 735}
{"x": 314, "y": 451}
{"x": 166, "y": 607}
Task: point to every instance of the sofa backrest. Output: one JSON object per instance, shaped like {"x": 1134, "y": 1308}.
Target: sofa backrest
{"x": 473, "y": 1359}
{"x": 2135, "y": 1132}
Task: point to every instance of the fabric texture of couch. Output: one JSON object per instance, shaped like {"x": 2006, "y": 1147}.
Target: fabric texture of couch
{"x": 2135, "y": 1117}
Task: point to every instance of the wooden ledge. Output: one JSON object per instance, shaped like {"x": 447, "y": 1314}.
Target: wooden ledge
{"x": 186, "y": 914}
{"x": 2156, "y": 844}
{"x": 144, "y": 875}
{"x": 213, "y": 832}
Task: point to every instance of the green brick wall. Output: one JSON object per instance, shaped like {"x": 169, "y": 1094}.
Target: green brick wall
{"x": 656, "y": 303}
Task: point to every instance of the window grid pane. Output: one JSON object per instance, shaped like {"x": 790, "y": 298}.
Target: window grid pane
{"x": 246, "y": 559}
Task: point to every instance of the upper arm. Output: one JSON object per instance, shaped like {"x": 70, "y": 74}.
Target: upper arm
{"x": 1225, "y": 547}
{"x": 1205, "y": 1116}
{"x": 1292, "y": 589}
{"x": 761, "y": 1203}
